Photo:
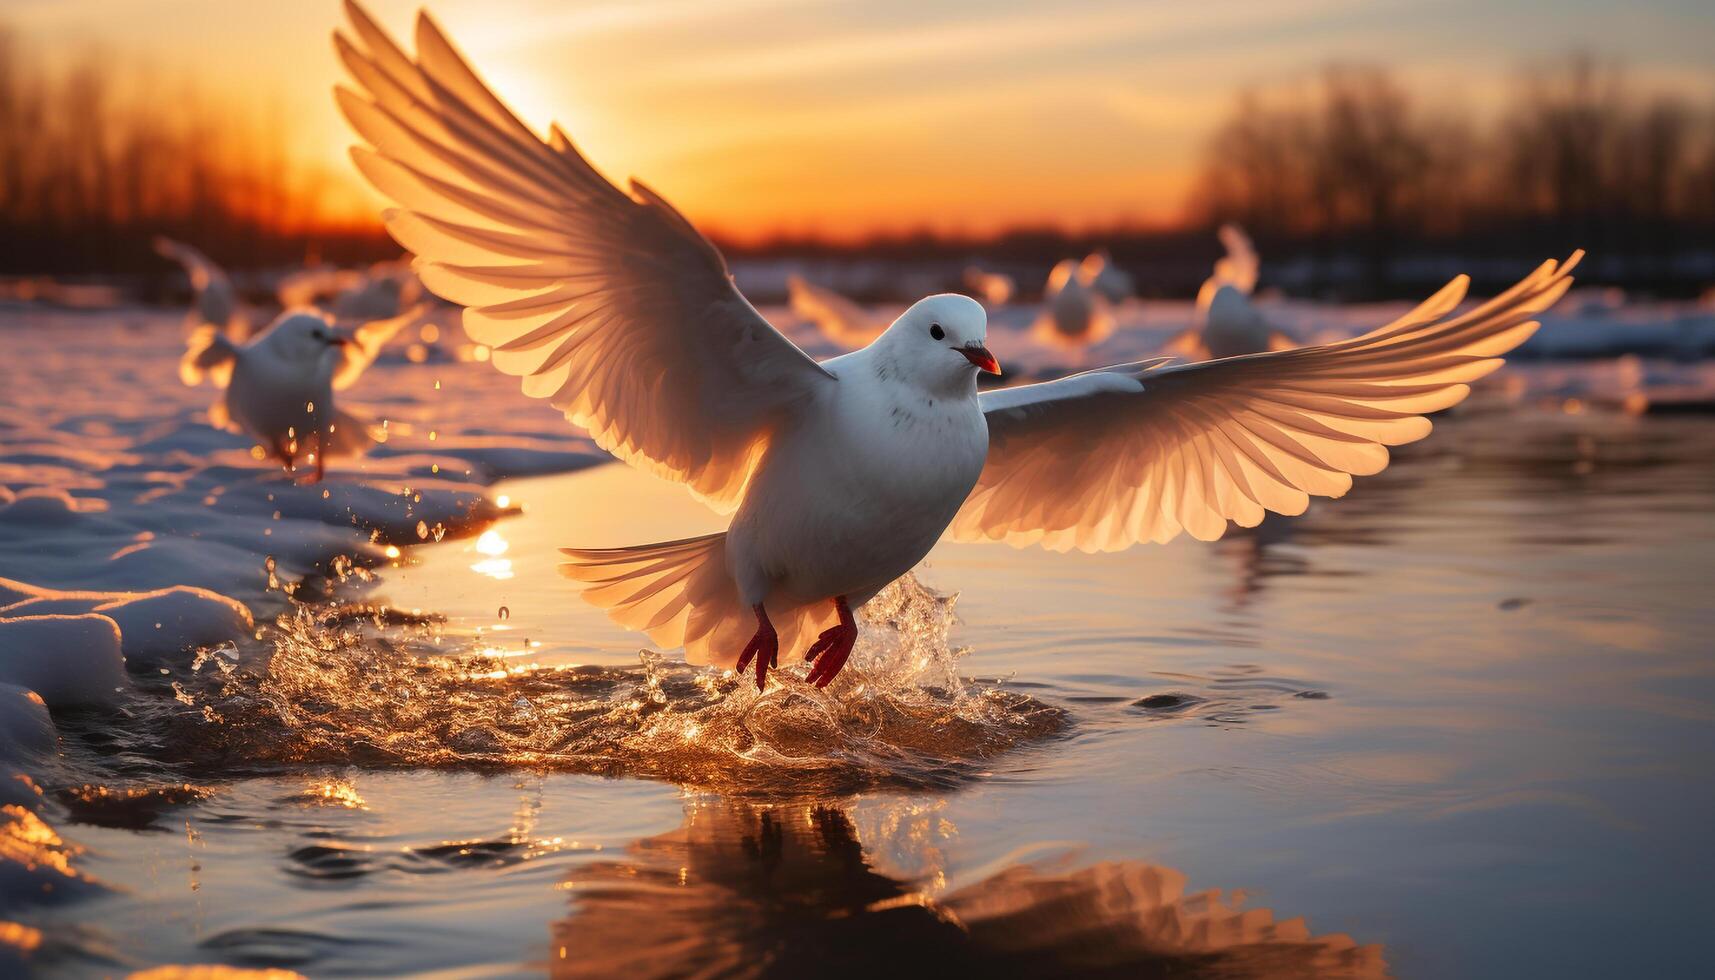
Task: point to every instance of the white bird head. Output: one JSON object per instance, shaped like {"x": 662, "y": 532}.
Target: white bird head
{"x": 306, "y": 341}
{"x": 942, "y": 340}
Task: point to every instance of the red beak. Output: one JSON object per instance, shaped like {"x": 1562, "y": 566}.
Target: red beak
{"x": 980, "y": 356}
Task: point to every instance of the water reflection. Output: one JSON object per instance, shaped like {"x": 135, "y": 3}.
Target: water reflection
{"x": 491, "y": 545}
{"x": 792, "y": 890}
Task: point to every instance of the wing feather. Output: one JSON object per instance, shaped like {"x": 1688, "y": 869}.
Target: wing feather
{"x": 1102, "y": 460}
{"x": 607, "y": 302}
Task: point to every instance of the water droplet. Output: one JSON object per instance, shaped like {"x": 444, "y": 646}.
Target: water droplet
{"x": 505, "y": 613}
{"x": 309, "y": 406}
{"x": 422, "y": 530}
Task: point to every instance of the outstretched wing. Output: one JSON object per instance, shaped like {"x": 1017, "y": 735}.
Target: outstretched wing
{"x": 610, "y": 305}
{"x": 1102, "y": 460}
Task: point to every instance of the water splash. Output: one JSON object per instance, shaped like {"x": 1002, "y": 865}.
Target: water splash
{"x": 344, "y": 685}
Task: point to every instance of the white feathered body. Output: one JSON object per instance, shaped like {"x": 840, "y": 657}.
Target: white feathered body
{"x": 858, "y": 490}
{"x": 278, "y": 401}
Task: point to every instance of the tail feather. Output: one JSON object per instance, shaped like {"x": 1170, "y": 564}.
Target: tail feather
{"x": 681, "y": 593}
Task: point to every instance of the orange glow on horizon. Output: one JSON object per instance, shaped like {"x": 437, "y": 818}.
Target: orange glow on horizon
{"x": 764, "y": 118}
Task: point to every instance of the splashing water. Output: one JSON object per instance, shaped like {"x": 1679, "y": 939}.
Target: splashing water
{"x": 346, "y": 685}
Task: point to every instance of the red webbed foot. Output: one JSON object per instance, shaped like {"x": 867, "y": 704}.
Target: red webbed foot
{"x": 764, "y": 648}
{"x": 833, "y": 647}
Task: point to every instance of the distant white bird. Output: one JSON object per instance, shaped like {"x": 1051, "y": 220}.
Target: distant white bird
{"x": 381, "y": 292}
{"x": 214, "y": 300}
{"x": 1226, "y": 324}
{"x": 1073, "y": 316}
{"x": 841, "y": 475}
{"x": 279, "y": 387}
{"x": 1099, "y": 273}
{"x": 838, "y": 318}
{"x": 991, "y": 289}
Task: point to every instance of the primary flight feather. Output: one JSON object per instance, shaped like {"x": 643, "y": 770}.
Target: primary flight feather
{"x": 841, "y": 475}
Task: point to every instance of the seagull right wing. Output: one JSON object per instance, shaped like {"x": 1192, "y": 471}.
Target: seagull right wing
{"x": 610, "y": 305}
{"x": 1103, "y": 460}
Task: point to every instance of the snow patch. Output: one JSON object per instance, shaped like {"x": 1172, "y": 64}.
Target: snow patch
{"x": 68, "y": 660}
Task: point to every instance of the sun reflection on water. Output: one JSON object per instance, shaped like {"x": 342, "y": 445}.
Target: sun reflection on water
{"x": 494, "y": 566}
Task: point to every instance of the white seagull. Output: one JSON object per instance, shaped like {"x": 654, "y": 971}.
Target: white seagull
{"x": 1100, "y": 274}
{"x": 214, "y": 300}
{"x": 1074, "y": 315}
{"x": 841, "y": 475}
{"x": 279, "y": 387}
{"x": 1225, "y": 323}
{"x": 838, "y": 318}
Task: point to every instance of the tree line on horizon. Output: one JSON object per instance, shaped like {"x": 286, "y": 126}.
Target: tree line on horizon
{"x": 1352, "y": 170}
{"x": 1355, "y": 165}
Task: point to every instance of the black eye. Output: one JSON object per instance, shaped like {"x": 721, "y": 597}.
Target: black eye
{"x": 936, "y": 331}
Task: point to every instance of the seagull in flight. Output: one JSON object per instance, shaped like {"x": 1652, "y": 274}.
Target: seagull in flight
{"x": 840, "y": 475}
{"x": 1226, "y": 323}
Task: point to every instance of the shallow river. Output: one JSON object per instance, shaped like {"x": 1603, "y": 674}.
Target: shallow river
{"x": 1460, "y": 723}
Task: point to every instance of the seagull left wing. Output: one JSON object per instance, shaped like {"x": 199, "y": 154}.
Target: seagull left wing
{"x": 1102, "y": 460}
{"x": 609, "y": 304}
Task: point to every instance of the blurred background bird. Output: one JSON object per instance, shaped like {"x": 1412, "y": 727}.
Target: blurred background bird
{"x": 380, "y": 292}
{"x": 1108, "y": 280}
{"x": 279, "y": 386}
{"x": 992, "y": 289}
{"x": 839, "y": 319}
{"x": 1226, "y": 322}
{"x": 1074, "y": 315}
{"x": 214, "y": 299}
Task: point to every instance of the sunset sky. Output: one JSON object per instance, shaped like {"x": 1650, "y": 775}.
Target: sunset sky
{"x": 759, "y": 116}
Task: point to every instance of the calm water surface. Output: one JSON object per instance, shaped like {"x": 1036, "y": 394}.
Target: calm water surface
{"x": 1460, "y": 723}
